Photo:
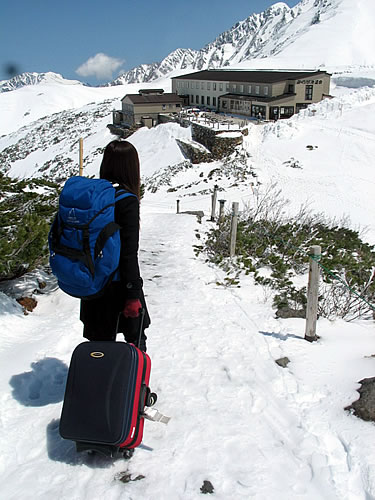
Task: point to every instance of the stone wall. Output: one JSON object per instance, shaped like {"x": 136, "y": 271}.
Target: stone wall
{"x": 196, "y": 153}
{"x": 219, "y": 143}
{"x": 214, "y": 140}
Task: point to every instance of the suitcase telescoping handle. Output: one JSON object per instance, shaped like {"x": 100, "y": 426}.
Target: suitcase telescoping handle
{"x": 142, "y": 313}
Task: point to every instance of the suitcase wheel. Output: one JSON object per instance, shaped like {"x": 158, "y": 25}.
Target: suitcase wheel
{"x": 127, "y": 454}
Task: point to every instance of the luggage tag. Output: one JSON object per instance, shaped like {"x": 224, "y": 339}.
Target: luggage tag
{"x": 155, "y": 416}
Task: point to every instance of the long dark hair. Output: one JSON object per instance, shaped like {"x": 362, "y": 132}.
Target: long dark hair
{"x": 121, "y": 164}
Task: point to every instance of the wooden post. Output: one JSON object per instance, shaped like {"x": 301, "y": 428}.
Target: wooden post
{"x": 233, "y": 230}
{"x": 81, "y": 157}
{"x": 312, "y": 294}
{"x": 178, "y": 206}
{"x": 213, "y": 207}
{"x": 221, "y": 210}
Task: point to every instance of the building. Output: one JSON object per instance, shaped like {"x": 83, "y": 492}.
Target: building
{"x": 145, "y": 107}
{"x": 271, "y": 94}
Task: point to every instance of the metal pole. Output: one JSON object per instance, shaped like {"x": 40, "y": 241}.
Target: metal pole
{"x": 233, "y": 230}
{"x": 178, "y": 206}
{"x": 312, "y": 294}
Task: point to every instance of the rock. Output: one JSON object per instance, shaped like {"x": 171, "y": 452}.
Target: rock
{"x": 283, "y": 362}
{"x": 364, "y": 407}
{"x": 126, "y": 477}
{"x": 207, "y": 487}
{"x": 198, "y": 213}
{"x": 289, "y": 312}
{"x": 28, "y": 303}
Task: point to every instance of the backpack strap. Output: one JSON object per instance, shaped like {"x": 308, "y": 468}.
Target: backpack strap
{"x": 122, "y": 193}
{"x": 112, "y": 227}
{"x": 71, "y": 253}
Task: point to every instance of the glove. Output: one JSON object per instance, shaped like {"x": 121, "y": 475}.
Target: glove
{"x": 132, "y": 307}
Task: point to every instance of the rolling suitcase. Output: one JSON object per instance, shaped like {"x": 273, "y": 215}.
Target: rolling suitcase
{"x": 106, "y": 393}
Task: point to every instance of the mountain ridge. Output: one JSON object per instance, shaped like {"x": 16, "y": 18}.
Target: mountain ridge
{"x": 332, "y": 34}
{"x": 33, "y": 78}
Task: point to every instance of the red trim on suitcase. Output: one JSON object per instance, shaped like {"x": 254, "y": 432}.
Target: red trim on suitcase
{"x": 142, "y": 420}
{"x": 137, "y": 421}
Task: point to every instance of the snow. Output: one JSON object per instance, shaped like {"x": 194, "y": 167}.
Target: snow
{"x": 230, "y": 135}
{"x": 254, "y": 429}
{"x": 23, "y": 106}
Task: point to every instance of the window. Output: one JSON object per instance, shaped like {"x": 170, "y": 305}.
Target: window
{"x": 265, "y": 90}
{"x": 208, "y": 86}
{"x": 197, "y": 99}
{"x": 241, "y": 89}
{"x": 187, "y": 85}
{"x": 202, "y": 99}
{"x": 202, "y": 85}
{"x": 287, "y": 111}
{"x": 197, "y": 85}
{"x": 227, "y": 87}
{"x": 249, "y": 89}
{"x": 220, "y": 87}
{"x": 208, "y": 101}
{"x": 224, "y": 104}
{"x": 256, "y": 110}
{"x": 234, "y": 87}
{"x": 178, "y": 105}
{"x": 309, "y": 92}
{"x": 291, "y": 88}
{"x": 164, "y": 106}
{"x": 257, "y": 89}
{"x": 214, "y": 101}
{"x": 214, "y": 85}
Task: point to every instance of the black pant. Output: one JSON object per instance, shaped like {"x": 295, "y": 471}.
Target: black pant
{"x": 103, "y": 319}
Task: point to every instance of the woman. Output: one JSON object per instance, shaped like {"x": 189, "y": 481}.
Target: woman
{"x": 117, "y": 310}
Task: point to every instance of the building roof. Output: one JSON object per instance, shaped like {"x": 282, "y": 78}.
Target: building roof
{"x": 153, "y": 98}
{"x": 248, "y": 76}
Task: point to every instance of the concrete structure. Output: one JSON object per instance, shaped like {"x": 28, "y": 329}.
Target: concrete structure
{"x": 144, "y": 108}
{"x": 266, "y": 94}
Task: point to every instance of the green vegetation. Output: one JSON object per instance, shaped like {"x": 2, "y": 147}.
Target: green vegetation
{"x": 274, "y": 248}
{"x": 26, "y": 210}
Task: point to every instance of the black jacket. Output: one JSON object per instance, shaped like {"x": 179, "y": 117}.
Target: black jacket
{"x": 101, "y": 317}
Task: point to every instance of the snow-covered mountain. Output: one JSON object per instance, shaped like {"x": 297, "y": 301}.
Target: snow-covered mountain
{"x": 332, "y": 34}
{"x": 179, "y": 59}
{"x": 314, "y": 33}
{"x": 34, "y": 79}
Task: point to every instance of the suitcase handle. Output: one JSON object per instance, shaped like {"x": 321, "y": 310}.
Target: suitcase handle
{"x": 142, "y": 312}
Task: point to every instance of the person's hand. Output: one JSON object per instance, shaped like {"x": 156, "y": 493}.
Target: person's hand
{"x": 131, "y": 308}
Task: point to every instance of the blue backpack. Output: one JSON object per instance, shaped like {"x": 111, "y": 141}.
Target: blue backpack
{"x": 84, "y": 239}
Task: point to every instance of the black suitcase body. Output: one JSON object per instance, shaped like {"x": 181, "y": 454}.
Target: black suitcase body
{"x": 106, "y": 392}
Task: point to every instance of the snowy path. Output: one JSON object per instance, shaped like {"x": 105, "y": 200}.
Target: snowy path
{"x": 238, "y": 420}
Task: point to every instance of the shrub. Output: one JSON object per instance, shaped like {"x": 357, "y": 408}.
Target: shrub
{"x": 269, "y": 239}
{"x": 25, "y": 217}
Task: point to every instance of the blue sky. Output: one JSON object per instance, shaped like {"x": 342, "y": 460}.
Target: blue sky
{"x": 105, "y": 38}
